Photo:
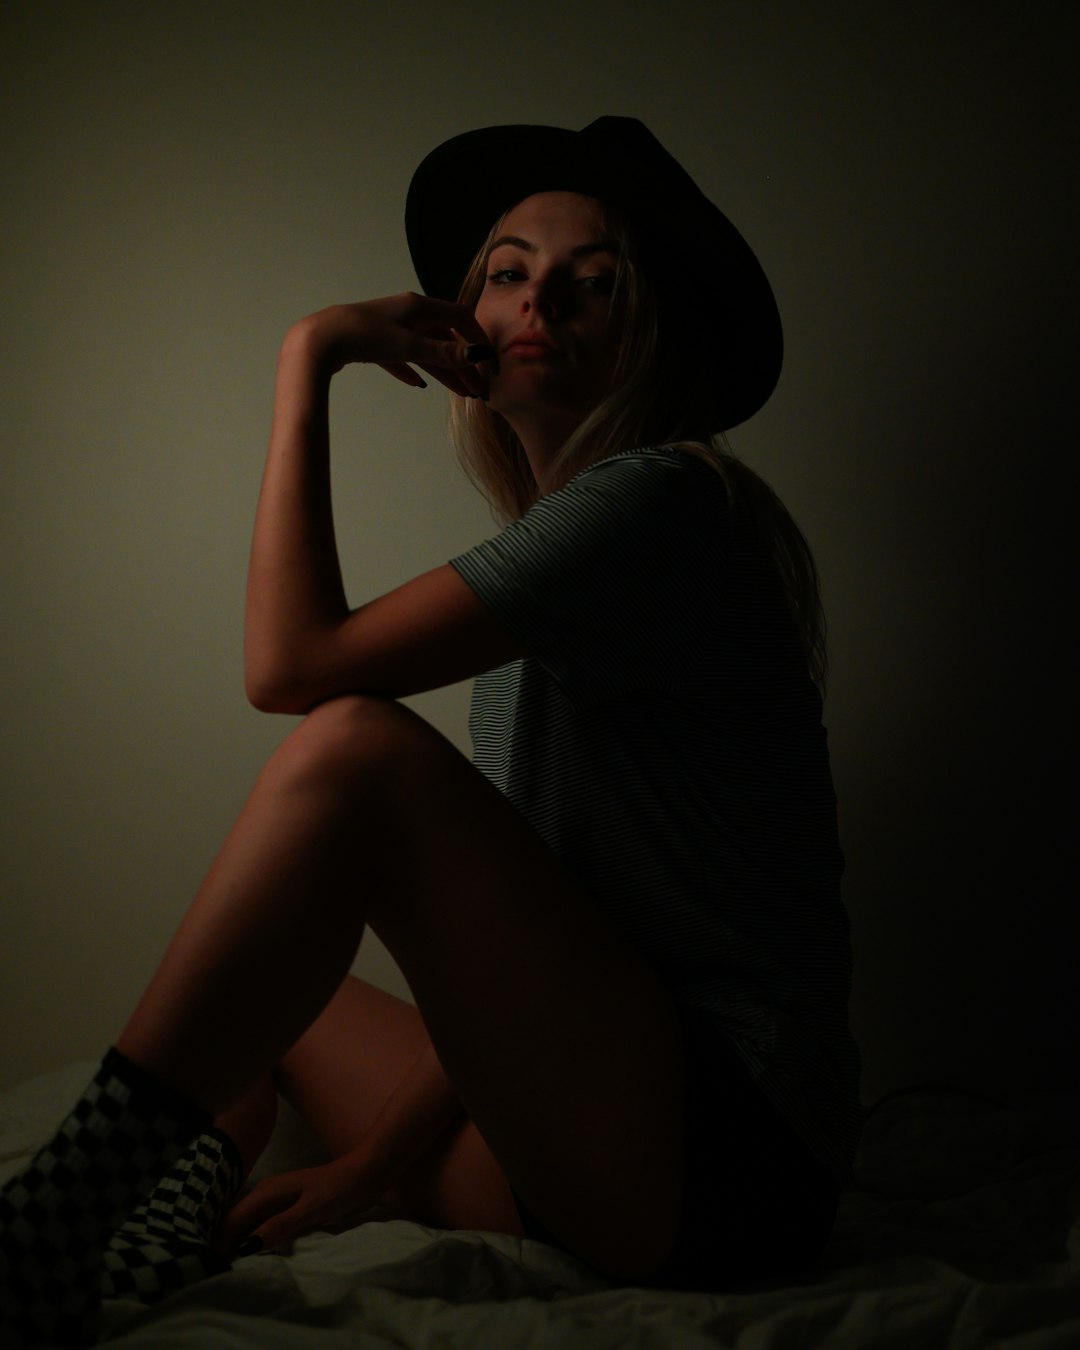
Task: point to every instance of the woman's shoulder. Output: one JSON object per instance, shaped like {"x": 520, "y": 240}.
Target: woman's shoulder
{"x": 657, "y": 460}
{"x": 648, "y": 475}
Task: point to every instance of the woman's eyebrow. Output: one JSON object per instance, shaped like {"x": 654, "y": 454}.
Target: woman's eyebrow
{"x": 598, "y": 246}
{"x": 513, "y": 239}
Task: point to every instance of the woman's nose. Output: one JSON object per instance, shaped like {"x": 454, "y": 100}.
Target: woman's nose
{"x": 538, "y": 303}
{"x": 541, "y": 298}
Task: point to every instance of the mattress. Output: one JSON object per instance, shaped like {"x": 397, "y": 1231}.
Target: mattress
{"x": 961, "y": 1230}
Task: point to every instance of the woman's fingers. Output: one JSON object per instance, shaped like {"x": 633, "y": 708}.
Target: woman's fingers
{"x": 283, "y": 1227}
{"x": 460, "y": 363}
{"x": 455, "y": 364}
{"x": 453, "y": 381}
{"x": 404, "y": 373}
{"x": 282, "y": 1208}
{"x": 442, "y": 338}
{"x": 249, "y": 1214}
{"x": 480, "y": 357}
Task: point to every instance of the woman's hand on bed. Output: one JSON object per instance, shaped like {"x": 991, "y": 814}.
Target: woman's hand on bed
{"x": 279, "y": 1209}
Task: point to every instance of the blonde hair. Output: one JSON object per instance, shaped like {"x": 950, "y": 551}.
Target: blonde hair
{"x": 661, "y": 394}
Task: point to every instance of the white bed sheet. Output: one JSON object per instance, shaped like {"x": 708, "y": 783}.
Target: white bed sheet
{"x": 962, "y": 1231}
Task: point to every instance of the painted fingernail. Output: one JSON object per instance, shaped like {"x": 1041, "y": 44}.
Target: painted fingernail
{"x": 478, "y": 351}
{"x": 250, "y": 1246}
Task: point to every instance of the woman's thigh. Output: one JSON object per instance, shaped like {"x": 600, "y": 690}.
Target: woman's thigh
{"x": 350, "y": 1062}
{"x": 340, "y": 1076}
{"x": 560, "y": 1042}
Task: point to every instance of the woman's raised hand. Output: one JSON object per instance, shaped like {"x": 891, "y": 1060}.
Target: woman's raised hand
{"x": 396, "y": 333}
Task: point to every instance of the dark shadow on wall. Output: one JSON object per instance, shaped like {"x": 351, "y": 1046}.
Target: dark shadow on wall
{"x": 965, "y": 882}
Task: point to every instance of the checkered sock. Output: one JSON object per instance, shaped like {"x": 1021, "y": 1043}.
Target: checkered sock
{"x": 165, "y": 1244}
{"x": 56, "y": 1217}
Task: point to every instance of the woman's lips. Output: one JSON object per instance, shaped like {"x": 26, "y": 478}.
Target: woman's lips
{"x": 531, "y": 349}
{"x": 531, "y": 343}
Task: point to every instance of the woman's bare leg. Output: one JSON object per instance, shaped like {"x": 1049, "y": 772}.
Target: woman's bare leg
{"x": 250, "y": 1122}
{"x": 345, "y": 1069}
{"x": 347, "y": 1065}
{"x": 561, "y": 1044}
{"x": 339, "y": 1075}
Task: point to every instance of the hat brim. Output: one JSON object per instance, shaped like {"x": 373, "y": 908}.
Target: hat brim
{"x": 715, "y": 292}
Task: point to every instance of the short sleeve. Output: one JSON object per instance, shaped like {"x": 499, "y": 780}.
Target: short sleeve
{"x": 600, "y": 581}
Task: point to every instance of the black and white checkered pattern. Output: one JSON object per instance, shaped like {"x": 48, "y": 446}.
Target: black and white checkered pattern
{"x": 56, "y": 1216}
{"x": 165, "y": 1244}
{"x": 150, "y": 1270}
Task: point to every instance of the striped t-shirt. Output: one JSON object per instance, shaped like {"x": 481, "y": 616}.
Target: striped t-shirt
{"x": 664, "y": 739}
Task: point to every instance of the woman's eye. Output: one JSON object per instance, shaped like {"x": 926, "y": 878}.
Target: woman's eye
{"x": 504, "y": 275}
{"x": 603, "y": 284}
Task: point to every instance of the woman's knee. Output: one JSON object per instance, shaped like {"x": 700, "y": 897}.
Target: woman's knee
{"x": 344, "y": 743}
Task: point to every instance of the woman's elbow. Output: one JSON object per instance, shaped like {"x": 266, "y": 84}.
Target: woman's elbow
{"x": 262, "y": 698}
{"x": 269, "y": 693}
{"x": 278, "y": 682}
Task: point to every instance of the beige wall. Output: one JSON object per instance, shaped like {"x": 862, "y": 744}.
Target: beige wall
{"x": 183, "y": 180}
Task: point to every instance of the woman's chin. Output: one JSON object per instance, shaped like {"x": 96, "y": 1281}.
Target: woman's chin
{"x": 533, "y": 395}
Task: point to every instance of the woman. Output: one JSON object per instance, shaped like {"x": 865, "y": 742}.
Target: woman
{"x": 621, "y": 926}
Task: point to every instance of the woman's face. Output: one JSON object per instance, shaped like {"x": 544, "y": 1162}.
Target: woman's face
{"x": 547, "y": 309}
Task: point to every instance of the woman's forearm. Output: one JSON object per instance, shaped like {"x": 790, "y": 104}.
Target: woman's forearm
{"x": 295, "y": 591}
{"x": 297, "y": 613}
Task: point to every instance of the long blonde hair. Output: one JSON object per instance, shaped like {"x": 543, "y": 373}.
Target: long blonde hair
{"x": 660, "y": 394}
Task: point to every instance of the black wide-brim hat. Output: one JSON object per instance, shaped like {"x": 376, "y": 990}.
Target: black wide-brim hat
{"x": 715, "y": 299}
